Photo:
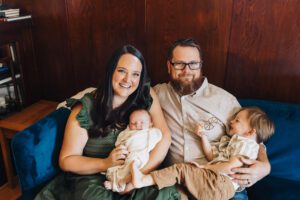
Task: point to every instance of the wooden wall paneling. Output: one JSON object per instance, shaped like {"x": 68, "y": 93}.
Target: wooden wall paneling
{"x": 206, "y": 21}
{"x": 125, "y": 23}
{"x": 73, "y": 41}
{"x": 51, "y": 46}
{"x": 82, "y": 23}
{"x": 96, "y": 29}
{"x": 31, "y": 78}
{"x": 264, "y": 53}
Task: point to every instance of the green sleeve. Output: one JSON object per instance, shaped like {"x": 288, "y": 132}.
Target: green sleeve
{"x": 84, "y": 116}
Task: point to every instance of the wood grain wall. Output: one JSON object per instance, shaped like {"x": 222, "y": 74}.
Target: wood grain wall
{"x": 264, "y": 50}
{"x": 251, "y": 48}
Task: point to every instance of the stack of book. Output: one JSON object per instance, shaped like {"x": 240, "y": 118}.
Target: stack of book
{"x": 10, "y": 13}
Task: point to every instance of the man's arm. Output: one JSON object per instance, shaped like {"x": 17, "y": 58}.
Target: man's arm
{"x": 256, "y": 171}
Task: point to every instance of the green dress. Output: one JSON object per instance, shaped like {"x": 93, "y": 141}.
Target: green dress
{"x": 72, "y": 186}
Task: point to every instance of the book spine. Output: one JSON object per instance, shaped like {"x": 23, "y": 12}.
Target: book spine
{"x": 12, "y": 15}
{"x": 18, "y": 18}
{"x": 10, "y": 19}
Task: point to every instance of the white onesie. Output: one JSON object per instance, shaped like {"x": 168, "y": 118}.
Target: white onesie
{"x": 139, "y": 143}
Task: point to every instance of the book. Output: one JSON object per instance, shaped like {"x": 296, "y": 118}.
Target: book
{"x": 4, "y": 70}
{"x": 7, "y": 11}
{"x": 7, "y": 79}
{"x": 10, "y": 19}
{"x": 10, "y": 15}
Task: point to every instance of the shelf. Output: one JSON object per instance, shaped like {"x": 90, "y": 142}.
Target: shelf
{"x": 8, "y": 79}
{"x": 5, "y": 59}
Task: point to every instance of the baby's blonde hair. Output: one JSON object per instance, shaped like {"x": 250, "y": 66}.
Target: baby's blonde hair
{"x": 259, "y": 121}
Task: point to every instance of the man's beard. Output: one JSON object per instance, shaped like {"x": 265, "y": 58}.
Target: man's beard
{"x": 185, "y": 89}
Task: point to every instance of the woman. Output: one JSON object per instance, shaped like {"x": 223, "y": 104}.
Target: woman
{"x": 93, "y": 126}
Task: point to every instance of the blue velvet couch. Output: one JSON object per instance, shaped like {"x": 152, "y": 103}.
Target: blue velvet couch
{"x": 36, "y": 149}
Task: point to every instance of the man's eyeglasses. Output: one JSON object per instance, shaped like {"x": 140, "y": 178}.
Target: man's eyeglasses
{"x": 182, "y": 65}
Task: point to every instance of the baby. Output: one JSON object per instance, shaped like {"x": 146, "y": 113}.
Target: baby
{"x": 249, "y": 127}
{"x": 140, "y": 139}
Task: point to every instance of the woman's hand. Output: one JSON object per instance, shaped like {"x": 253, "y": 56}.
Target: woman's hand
{"x": 117, "y": 156}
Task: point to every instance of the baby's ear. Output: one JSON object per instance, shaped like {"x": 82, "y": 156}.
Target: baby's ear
{"x": 253, "y": 131}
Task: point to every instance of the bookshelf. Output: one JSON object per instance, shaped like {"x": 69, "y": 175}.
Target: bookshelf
{"x": 11, "y": 83}
{"x": 19, "y": 81}
{"x": 17, "y": 52}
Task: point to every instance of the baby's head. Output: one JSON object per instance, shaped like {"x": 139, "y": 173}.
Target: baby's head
{"x": 252, "y": 122}
{"x": 140, "y": 119}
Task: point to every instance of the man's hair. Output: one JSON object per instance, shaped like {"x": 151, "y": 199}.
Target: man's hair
{"x": 185, "y": 42}
{"x": 259, "y": 121}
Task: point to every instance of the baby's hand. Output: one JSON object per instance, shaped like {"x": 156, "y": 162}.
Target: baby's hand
{"x": 200, "y": 131}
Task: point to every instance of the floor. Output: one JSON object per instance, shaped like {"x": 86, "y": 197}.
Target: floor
{"x": 7, "y": 193}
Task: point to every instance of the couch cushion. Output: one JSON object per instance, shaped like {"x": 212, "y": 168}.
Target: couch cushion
{"x": 36, "y": 150}
{"x": 272, "y": 188}
{"x": 283, "y": 148}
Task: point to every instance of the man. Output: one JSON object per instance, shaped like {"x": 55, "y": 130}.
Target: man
{"x": 187, "y": 100}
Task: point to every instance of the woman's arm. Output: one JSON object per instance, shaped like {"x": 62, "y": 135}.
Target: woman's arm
{"x": 158, "y": 154}
{"x": 75, "y": 139}
{"x": 257, "y": 169}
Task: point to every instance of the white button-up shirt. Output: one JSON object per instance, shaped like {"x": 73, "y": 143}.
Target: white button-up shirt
{"x": 209, "y": 106}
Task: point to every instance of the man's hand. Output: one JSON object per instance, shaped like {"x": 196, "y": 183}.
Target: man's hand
{"x": 247, "y": 176}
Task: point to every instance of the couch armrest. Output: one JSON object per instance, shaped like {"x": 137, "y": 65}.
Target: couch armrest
{"x": 36, "y": 149}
